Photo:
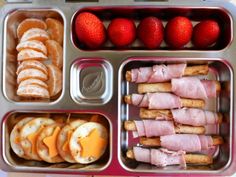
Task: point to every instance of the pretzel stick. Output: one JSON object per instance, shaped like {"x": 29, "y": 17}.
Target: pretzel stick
{"x": 155, "y": 114}
{"x": 189, "y": 158}
{"x": 130, "y": 126}
{"x": 189, "y": 71}
{"x": 164, "y": 87}
{"x": 155, "y": 142}
{"x": 191, "y": 103}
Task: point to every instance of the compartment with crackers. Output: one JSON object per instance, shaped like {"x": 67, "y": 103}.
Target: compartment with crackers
{"x": 173, "y": 114}
{"x": 59, "y": 140}
{"x": 34, "y": 57}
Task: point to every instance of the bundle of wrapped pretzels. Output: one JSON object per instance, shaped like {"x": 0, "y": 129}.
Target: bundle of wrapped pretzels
{"x": 174, "y": 128}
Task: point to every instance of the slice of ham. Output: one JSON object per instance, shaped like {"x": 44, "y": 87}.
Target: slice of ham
{"x": 195, "y": 117}
{"x": 159, "y": 157}
{"x": 192, "y": 87}
{"x": 153, "y": 128}
{"x": 157, "y": 73}
{"x": 186, "y": 142}
{"x": 157, "y": 100}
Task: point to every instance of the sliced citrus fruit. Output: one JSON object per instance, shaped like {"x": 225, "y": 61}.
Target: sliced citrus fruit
{"x": 31, "y": 73}
{"x": 29, "y": 54}
{"x": 54, "y": 80}
{"x": 35, "y": 34}
{"x": 35, "y": 45}
{"x": 27, "y": 64}
{"x": 29, "y": 23}
{"x": 33, "y": 91}
{"x": 33, "y": 82}
{"x": 55, "y": 52}
{"x": 55, "y": 29}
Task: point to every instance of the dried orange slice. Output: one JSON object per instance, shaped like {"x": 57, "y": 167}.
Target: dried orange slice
{"x": 28, "y": 24}
{"x": 55, "y": 52}
{"x": 27, "y": 64}
{"x": 35, "y": 91}
{"x": 33, "y": 82}
{"x": 29, "y": 54}
{"x": 55, "y": 29}
{"x": 35, "y": 34}
{"x": 35, "y": 45}
{"x": 54, "y": 80}
{"x": 31, "y": 73}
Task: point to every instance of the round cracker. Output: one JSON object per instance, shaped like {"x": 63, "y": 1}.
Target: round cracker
{"x": 42, "y": 149}
{"x": 81, "y": 132}
{"x": 29, "y": 128}
{"x": 15, "y": 134}
{"x": 62, "y": 137}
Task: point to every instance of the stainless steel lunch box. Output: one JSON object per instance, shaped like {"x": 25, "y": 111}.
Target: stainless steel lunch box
{"x": 108, "y": 67}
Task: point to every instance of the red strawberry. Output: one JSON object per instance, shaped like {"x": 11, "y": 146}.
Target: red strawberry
{"x": 121, "y": 32}
{"x": 151, "y": 32}
{"x": 90, "y": 30}
{"x": 178, "y": 32}
{"x": 205, "y": 33}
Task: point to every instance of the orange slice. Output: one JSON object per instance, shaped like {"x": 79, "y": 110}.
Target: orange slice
{"x": 27, "y": 64}
{"x": 35, "y": 34}
{"x": 54, "y": 80}
{"x": 33, "y": 82}
{"x": 55, "y": 52}
{"x": 33, "y": 91}
{"x": 29, "y": 54}
{"x": 35, "y": 45}
{"x": 30, "y": 23}
{"x": 55, "y": 30}
{"x": 31, "y": 73}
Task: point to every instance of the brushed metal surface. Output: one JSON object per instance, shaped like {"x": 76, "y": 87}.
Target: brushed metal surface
{"x": 112, "y": 109}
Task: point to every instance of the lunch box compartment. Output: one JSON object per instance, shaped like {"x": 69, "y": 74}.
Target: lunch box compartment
{"x": 13, "y": 161}
{"x": 219, "y": 70}
{"x": 10, "y": 41}
{"x": 91, "y": 81}
{"x": 165, "y": 13}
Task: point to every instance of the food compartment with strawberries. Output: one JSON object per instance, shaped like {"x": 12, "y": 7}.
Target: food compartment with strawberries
{"x": 33, "y": 55}
{"x": 155, "y": 28}
{"x": 175, "y": 112}
{"x": 57, "y": 140}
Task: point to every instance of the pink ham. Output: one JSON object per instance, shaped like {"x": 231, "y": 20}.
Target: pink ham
{"x": 159, "y": 157}
{"x": 156, "y": 100}
{"x": 195, "y": 117}
{"x": 186, "y": 142}
{"x": 142, "y": 154}
{"x": 152, "y": 128}
{"x": 157, "y": 73}
{"x": 191, "y": 87}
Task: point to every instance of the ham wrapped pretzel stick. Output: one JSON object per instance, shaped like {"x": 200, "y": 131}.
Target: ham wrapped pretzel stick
{"x": 164, "y": 157}
{"x": 188, "y": 116}
{"x": 162, "y": 101}
{"x": 186, "y": 87}
{"x": 163, "y": 73}
{"x": 154, "y": 128}
{"x": 194, "y": 143}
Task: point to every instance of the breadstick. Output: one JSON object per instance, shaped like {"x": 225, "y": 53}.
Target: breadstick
{"x": 189, "y": 158}
{"x": 130, "y": 126}
{"x": 189, "y": 71}
{"x": 164, "y": 87}
{"x": 154, "y": 114}
{"x": 155, "y": 142}
{"x": 192, "y": 103}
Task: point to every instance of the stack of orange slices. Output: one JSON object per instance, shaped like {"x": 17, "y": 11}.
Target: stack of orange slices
{"x": 40, "y": 58}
